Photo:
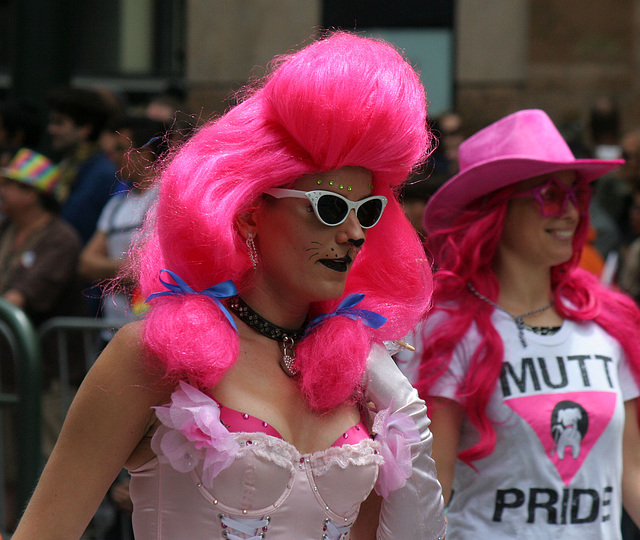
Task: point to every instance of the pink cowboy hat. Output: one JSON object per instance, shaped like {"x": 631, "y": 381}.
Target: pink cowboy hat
{"x": 519, "y": 146}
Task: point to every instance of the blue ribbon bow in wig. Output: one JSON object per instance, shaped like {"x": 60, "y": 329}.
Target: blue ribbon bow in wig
{"x": 224, "y": 289}
{"x": 346, "y": 309}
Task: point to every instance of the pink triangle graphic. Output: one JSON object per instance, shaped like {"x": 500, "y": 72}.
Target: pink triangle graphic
{"x": 575, "y": 413}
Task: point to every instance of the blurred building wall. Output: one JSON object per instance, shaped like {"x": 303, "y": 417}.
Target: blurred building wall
{"x": 559, "y": 55}
{"x": 500, "y": 55}
{"x": 229, "y": 41}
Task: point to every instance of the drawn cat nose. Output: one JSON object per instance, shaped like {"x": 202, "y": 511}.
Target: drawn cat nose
{"x": 356, "y": 243}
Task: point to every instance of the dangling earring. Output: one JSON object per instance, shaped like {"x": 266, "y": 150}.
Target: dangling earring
{"x": 253, "y": 253}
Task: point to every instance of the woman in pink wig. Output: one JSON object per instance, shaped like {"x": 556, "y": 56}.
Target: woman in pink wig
{"x": 276, "y": 262}
{"x": 530, "y": 366}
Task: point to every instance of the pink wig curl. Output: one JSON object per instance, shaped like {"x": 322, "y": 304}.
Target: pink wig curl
{"x": 341, "y": 101}
{"x": 465, "y": 253}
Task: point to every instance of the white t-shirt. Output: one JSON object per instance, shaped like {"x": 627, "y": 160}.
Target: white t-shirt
{"x": 558, "y": 411}
{"x": 120, "y": 220}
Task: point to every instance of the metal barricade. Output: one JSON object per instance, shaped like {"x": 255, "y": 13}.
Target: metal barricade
{"x": 70, "y": 336}
{"x": 21, "y": 396}
{"x": 89, "y": 336}
{"x": 23, "y": 399}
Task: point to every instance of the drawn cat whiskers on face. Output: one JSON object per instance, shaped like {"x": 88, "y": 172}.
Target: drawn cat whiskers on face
{"x": 317, "y": 252}
{"x": 329, "y": 257}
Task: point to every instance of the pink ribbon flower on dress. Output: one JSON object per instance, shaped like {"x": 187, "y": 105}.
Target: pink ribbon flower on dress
{"x": 395, "y": 432}
{"x": 191, "y": 433}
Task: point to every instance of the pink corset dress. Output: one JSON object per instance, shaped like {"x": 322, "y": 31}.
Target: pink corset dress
{"x": 223, "y": 474}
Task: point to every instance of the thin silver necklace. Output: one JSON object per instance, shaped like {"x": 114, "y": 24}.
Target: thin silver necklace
{"x": 517, "y": 319}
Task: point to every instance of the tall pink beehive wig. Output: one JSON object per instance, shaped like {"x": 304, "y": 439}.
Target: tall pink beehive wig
{"x": 341, "y": 101}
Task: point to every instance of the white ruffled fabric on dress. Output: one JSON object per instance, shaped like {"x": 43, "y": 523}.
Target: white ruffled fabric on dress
{"x": 395, "y": 432}
{"x": 191, "y": 432}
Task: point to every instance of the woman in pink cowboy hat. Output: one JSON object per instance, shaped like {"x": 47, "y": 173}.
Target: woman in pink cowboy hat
{"x": 276, "y": 263}
{"x": 529, "y": 365}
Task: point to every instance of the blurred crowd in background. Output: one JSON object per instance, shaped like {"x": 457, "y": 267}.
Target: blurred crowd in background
{"x": 76, "y": 182}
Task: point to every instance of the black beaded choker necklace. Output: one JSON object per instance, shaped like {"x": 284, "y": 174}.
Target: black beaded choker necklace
{"x": 287, "y": 337}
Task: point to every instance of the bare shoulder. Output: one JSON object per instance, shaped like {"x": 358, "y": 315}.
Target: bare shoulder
{"x": 126, "y": 368}
{"x": 126, "y": 349}
{"x": 128, "y": 338}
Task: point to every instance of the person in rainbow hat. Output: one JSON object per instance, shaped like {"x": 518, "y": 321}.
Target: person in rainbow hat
{"x": 38, "y": 250}
{"x": 530, "y": 366}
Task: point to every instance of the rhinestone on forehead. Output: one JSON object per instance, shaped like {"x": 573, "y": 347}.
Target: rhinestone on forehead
{"x": 340, "y": 186}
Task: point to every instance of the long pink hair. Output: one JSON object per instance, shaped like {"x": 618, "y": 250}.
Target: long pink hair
{"x": 341, "y": 101}
{"x": 465, "y": 253}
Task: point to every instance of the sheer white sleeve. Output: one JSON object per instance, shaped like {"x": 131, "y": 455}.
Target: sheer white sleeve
{"x": 415, "y": 510}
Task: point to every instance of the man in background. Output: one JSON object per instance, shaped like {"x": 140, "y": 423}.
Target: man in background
{"x": 77, "y": 117}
